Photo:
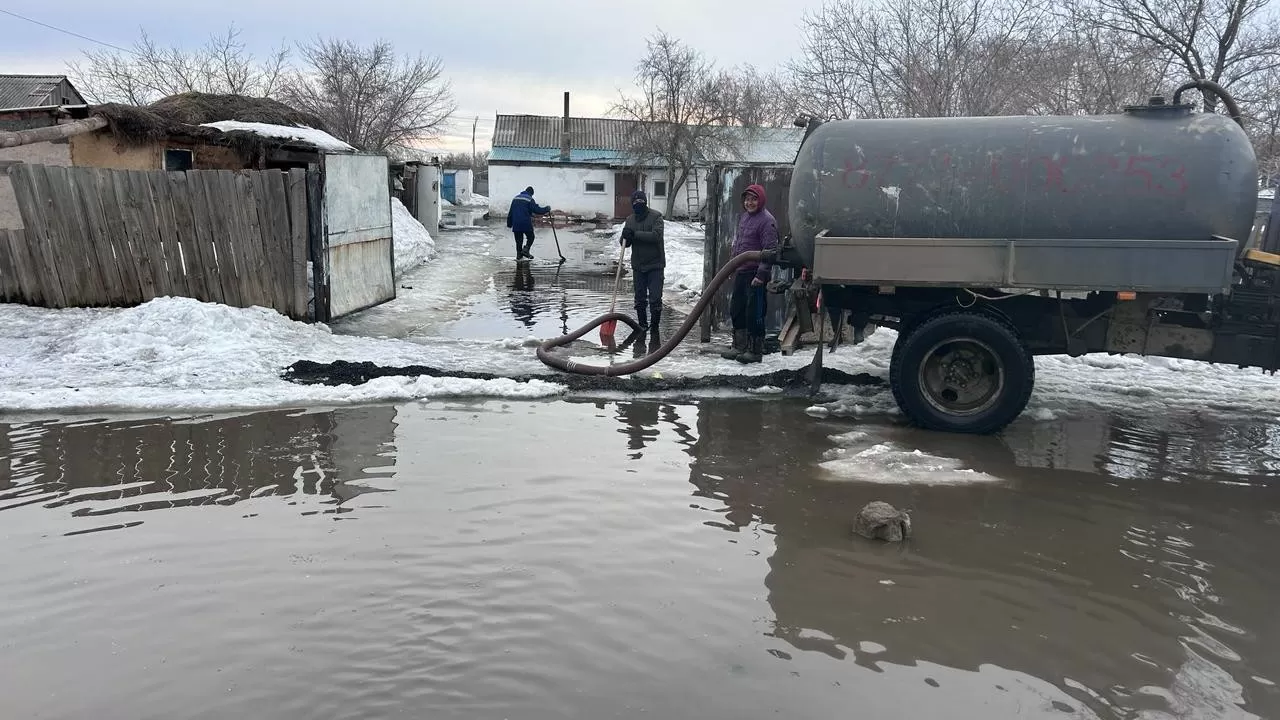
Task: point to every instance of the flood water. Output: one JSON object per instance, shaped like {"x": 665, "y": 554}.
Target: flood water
{"x": 668, "y": 559}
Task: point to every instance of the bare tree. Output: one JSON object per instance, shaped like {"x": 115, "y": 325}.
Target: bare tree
{"x": 1228, "y": 41}
{"x": 924, "y": 58}
{"x": 148, "y": 72}
{"x": 684, "y": 111}
{"x": 370, "y": 97}
{"x": 762, "y": 99}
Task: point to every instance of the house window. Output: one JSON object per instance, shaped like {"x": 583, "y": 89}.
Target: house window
{"x": 659, "y": 188}
{"x": 177, "y": 159}
{"x": 593, "y": 187}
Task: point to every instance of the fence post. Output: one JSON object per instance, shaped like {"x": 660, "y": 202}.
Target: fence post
{"x": 316, "y": 243}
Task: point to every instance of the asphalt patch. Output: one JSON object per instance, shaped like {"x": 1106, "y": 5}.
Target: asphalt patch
{"x": 307, "y": 372}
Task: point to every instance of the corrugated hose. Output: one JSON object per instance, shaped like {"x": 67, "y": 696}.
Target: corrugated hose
{"x": 559, "y": 362}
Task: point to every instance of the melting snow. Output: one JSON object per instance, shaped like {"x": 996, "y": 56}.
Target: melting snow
{"x": 319, "y": 138}
{"x": 413, "y": 244}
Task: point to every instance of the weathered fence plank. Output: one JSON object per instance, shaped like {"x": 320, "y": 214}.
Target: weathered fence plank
{"x": 35, "y": 213}
{"x": 258, "y": 272}
{"x": 188, "y": 237}
{"x": 113, "y": 211}
{"x": 117, "y": 237}
{"x": 89, "y": 199}
{"x": 9, "y": 288}
{"x": 296, "y": 193}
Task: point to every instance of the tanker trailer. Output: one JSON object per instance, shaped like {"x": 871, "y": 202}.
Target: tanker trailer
{"x": 987, "y": 240}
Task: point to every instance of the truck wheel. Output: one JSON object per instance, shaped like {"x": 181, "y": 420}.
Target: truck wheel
{"x": 961, "y": 372}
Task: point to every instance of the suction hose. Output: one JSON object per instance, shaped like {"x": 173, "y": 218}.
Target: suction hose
{"x": 1232, "y": 108}
{"x": 559, "y": 362}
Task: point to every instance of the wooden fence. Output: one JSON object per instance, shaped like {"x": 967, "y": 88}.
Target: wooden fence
{"x": 116, "y": 238}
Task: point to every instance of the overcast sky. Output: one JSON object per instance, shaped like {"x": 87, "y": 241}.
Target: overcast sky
{"x": 501, "y": 57}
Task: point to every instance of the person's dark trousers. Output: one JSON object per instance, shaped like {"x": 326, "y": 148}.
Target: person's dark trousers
{"x": 747, "y": 311}
{"x": 648, "y": 296}
{"x": 522, "y": 250}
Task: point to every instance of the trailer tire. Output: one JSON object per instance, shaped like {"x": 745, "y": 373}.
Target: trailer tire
{"x": 963, "y": 372}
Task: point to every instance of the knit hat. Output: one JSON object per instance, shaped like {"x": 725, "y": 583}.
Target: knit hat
{"x": 529, "y": 189}
{"x": 639, "y": 196}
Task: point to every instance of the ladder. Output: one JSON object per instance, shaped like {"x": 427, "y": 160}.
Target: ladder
{"x": 693, "y": 194}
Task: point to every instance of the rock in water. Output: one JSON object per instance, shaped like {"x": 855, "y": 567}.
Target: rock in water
{"x": 882, "y": 521}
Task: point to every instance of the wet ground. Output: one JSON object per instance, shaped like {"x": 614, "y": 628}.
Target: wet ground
{"x": 682, "y": 556}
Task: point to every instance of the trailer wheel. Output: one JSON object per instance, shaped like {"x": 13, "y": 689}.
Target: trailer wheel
{"x": 961, "y": 372}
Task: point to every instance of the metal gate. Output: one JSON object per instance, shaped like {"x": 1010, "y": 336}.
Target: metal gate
{"x": 358, "y": 266}
{"x": 450, "y": 188}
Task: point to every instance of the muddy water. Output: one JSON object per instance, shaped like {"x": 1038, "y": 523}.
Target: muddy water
{"x": 632, "y": 559}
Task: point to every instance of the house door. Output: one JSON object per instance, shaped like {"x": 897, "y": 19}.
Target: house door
{"x": 449, "y": 190}
{"x": 623, "y": 185}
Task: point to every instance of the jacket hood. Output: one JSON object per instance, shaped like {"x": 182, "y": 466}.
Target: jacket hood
{"x": 758, "y": 191}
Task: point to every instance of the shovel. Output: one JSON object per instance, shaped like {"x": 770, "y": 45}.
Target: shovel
{"x": 552, "y": 219}
{"x": 606, "y": 330}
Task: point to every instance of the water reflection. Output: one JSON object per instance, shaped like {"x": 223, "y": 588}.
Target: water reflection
{"x": 95, "y": 469}
{"x": 1116, "y": 596}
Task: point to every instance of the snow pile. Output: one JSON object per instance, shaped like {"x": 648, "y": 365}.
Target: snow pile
{"x": 413, "y": 244}
{"x": 478, "y": 200}
{"x": 178, "y": 354}
{"x": 856, "y": 457}
{"x": 319, "y": 138}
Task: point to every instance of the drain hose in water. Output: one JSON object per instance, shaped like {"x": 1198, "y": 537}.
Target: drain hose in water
{"x": 560, "y": 362}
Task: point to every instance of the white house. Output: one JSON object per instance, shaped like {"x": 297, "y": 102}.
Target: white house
{"x": 592, "y": 175}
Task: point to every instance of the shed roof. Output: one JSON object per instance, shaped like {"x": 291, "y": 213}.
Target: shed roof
{"x": 26, "y": 91}
{"x": 536, "y": 138}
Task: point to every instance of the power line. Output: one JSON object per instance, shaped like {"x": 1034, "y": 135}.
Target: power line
{"x": 68, "y": 32}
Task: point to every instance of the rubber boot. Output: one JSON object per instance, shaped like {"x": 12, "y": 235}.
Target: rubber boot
{"x": 519, "y": 250}
{"x": 641, "y": 317}
{"x": 739, "y": 345}
{"x": 655, "y": 315}
{"x": 754, "y": 352}
{"x": 527, "y": 252}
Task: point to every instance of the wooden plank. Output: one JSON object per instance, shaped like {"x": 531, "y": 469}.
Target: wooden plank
{"x": 150, "y": 242}
{"x": 178, "y": 193}
{"x": 296, "y": 192}
{"x": 167, "y": 224}
{"x": 63, "y": 238}
{"x": 124, "y": 188}
{"x": 108, "y": 184}
{"x": 66, "y": 242}
{"x": 233, "y": 208}
{"x": 255, "y": 254}
{"x": 9, "y": 291}
{"x": 25, "y": 264}
{"x": 35, "y": 213}
{"x": 273, "y": 213}
{"x": 210, "y": 272}
{"x": 77, "y": 190}
{"x": 98, "y": 235}
{"x": 228, "y": 270}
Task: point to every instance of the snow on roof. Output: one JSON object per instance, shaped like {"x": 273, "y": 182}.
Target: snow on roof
{"x": 311, "y": 136}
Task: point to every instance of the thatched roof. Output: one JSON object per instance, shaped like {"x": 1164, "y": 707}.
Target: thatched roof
{"x": 182, "y": 115}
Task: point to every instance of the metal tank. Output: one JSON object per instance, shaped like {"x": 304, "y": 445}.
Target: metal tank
{"x": 1153, "y": 172}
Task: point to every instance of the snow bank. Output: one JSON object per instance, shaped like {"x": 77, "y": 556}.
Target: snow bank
{"x": 319, "y": 138}
{"x": 178, "y": 354}
{"x": 413, "y": 244}
{"x": 478, "y": 200}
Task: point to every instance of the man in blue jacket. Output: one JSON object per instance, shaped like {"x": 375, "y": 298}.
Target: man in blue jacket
{"x": 520, "y": 220}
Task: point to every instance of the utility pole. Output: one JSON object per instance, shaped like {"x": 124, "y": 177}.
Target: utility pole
{"x": 473, "y": 143}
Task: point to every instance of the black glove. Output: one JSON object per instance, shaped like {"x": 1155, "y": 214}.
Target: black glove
{"x": 628, "y": 234}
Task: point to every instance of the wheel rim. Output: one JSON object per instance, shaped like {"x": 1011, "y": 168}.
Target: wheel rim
{"x": 962, "y": 376}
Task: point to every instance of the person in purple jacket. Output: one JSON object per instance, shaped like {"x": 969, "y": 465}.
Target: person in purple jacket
{"x": 757, "y": 230}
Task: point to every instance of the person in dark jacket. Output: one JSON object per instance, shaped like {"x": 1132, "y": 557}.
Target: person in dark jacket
{"x": 520, "y": 220}
{"x": 643, "y": 233}
{"x": 757, "y": 230}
